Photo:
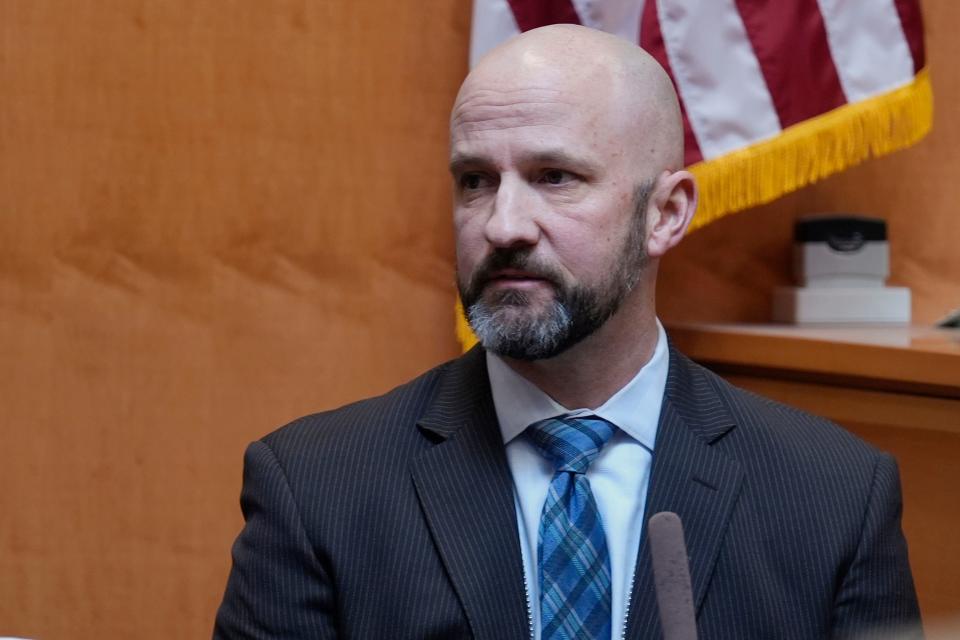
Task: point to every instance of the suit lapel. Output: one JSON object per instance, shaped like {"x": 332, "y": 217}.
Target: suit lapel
{"x": 466, "y": 493}
{"x": 690, "y": 478}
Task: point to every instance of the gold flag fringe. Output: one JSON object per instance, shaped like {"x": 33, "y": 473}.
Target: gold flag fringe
{"x": 464, "y": 333}
{"x": 814, "y": 149}
{"x": 801, "y": 155}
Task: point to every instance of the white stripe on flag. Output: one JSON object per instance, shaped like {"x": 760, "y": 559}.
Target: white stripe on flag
{"x": 718, "y": 76}
{"x": 493, "y": 23}
{"x": 619, "y": 17}
{"x": 869, "y": 49}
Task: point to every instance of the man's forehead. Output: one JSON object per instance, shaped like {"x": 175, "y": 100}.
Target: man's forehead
{"x": 494, "y": 109}
{"x": 537, "y": 133}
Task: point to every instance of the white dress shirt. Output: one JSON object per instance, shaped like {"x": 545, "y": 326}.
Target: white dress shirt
{"x": 619, "y": 476}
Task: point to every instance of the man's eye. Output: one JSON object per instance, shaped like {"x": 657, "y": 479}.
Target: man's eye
{"x": 472, "y": 181}
{"x": 556, "y": 176}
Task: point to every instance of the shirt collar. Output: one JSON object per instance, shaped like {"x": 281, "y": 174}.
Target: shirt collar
{"x": 635, "y": 408}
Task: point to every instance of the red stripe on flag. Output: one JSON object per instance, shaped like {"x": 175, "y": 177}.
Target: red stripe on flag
{"x": 790, "y": 42}
{"x": 651, "y": 41}
{"x": 911, "y": 20}
{"x": 531, "y": 14}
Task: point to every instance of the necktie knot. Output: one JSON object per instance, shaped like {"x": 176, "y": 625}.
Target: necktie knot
{"x": 571, "y": 444}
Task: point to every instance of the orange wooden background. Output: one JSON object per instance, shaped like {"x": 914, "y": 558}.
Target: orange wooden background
{"x": 216, "y": 216}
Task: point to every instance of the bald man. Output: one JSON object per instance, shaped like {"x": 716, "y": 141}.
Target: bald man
{"x": 504, "y": 494}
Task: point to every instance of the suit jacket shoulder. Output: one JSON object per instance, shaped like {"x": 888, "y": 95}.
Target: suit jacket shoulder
{"x": 388, "y": 517}
{"x": 788, "y": 430}
{"x": 807, "y": 514}
{"x": 378, "y": 420}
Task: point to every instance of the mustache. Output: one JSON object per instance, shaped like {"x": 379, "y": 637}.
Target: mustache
{"x": 519, "y": 259}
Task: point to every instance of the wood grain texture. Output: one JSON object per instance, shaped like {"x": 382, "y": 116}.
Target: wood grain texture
{"x": 214, "y": 217}
{"x": 901, "y": 358}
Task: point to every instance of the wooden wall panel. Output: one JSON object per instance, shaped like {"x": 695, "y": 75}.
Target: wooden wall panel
{"x": 219, "y": 215}
{"x": 214, "y": 217}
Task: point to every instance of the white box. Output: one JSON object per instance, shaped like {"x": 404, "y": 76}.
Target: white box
{"x": 803, "y": 305}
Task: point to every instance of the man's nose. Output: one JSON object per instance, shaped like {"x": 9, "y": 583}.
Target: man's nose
{"x": 513, "y": 221}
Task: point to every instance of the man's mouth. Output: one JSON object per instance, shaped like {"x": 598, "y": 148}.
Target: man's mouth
{"x": 515, "y": 278}
{"x": 511, "y": 275}
{"x": 516, "y": 274}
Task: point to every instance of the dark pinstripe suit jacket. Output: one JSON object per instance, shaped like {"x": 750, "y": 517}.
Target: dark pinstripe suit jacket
{"x": 394, "y": 518}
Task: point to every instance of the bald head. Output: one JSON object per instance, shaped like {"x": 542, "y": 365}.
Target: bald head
{"x": 588, "y": 68}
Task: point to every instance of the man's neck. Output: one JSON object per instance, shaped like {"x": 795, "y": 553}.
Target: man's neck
{"x": 589, "y": 373}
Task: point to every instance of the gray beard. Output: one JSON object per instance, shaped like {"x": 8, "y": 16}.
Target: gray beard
{"x": 508, "y": 328}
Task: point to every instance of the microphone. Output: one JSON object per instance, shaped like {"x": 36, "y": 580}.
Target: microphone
{"x": 671, "y": 577}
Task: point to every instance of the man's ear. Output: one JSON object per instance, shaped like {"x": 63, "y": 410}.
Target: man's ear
{"x": 670, "y": 210}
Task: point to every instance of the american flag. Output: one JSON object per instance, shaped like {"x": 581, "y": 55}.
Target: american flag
{"x": 775, "y": 93}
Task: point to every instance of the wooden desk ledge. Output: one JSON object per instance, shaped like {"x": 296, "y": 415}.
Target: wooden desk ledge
{"x": 904, "y": 376}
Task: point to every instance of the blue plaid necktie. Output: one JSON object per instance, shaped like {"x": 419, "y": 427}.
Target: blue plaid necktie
{"x": 572, "y": 552}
